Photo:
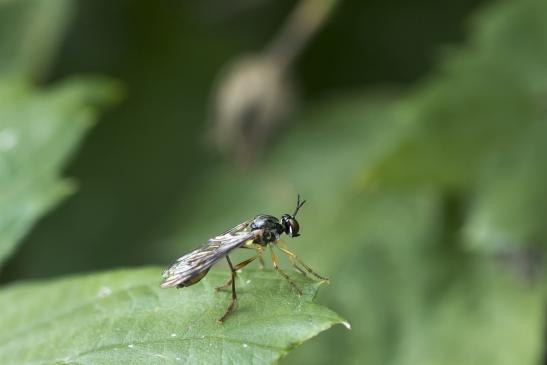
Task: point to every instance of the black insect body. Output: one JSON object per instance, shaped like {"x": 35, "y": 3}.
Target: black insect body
{"x": 257, "y": 233}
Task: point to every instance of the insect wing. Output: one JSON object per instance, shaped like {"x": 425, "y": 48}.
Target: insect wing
{"x": 241, "y": 227}
{"x": 201, "y": 259}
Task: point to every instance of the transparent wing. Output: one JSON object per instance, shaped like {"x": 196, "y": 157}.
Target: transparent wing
{"x": 189, "y": 267}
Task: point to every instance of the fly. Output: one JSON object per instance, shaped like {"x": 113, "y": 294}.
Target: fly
{"x": 258, "y": 233}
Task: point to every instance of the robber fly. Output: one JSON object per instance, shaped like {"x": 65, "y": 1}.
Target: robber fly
{"x": 257, "y": 233}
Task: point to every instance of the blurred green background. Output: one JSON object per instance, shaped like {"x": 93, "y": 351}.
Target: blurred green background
{"x": 417, "y": 132}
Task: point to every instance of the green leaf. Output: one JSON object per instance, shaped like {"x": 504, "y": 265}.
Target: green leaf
{"x": 39, "y": 130}
{"x": 125, "y": 317}
{"x": 474, "y": 104}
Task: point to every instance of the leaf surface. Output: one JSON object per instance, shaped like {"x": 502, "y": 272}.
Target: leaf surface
{"x": 124, "y": 317}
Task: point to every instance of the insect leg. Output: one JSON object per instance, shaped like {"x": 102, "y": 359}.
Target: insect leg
{"x": 283, "y": 273}
{"x": 283, "y": 247}
{"x": 241, "y": 265}
{"x": 293, "y": 261}
{"x": 231, "y": 307}
{"x": 259, "y": 252}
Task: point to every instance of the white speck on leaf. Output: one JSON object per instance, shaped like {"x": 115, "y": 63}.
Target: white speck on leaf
{"x": 104, "y": 291}
{"x": 248, "y": 282}
{"x": 173, "y": 335}
{"x": 130, "y": 345}
{"x": 245, "y": 345}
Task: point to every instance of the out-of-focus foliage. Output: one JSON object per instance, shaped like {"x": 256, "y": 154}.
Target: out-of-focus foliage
{"x": 425, "y": 204}
{"x": 475, "y": 136}
{"x": 480, "y": 123}
{"x": 124, "y": 317}
{"x": 38, "y": 132}
{"x": 39, "y": 129}
{"x": 30, "y": 32}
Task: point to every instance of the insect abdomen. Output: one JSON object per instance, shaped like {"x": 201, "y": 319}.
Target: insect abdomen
{"x": 193, "y": 280}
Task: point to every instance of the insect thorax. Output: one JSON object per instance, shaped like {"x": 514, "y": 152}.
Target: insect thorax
{"x": 270, "y": 226}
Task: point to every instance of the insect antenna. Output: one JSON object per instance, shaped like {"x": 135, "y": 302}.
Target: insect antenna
{"x": 298, "y": 205}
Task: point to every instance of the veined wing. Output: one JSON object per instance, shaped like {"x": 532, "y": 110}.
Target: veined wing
{"x": 191, "y": 267}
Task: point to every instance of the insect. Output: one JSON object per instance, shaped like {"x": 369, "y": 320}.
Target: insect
{"x": 258, "y": 233}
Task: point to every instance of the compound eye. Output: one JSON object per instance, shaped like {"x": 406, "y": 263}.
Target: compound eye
{"x": 293, "y": 227}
